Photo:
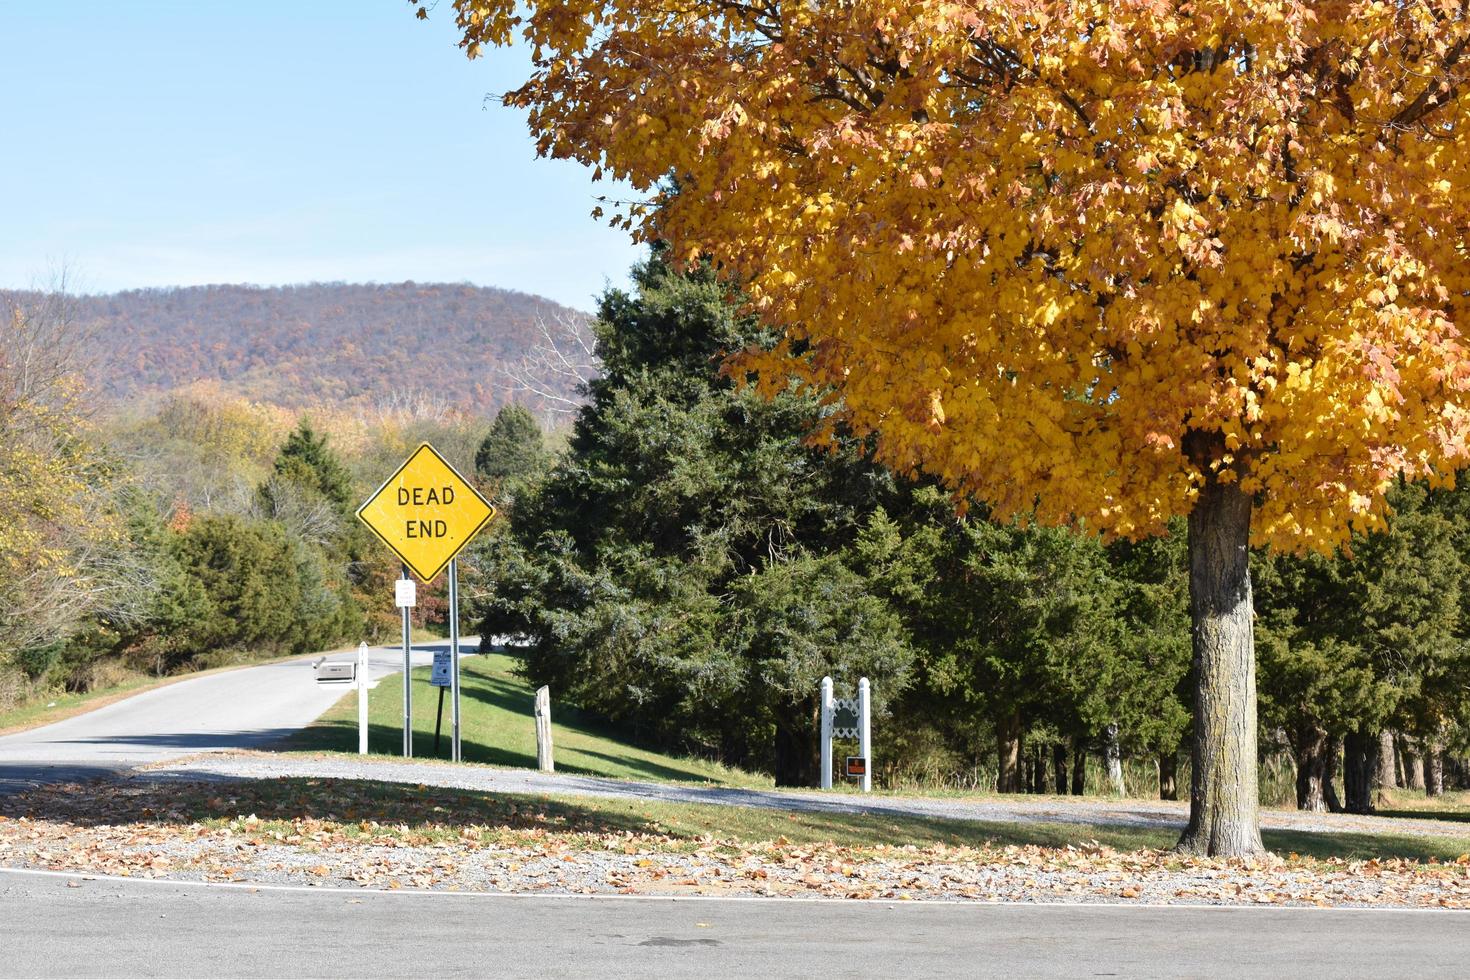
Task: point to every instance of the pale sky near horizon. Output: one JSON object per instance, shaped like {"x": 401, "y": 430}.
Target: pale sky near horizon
{"x": 168, "y": 142}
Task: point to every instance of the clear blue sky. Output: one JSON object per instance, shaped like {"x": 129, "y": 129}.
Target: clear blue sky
{"x": 177, "y": 142}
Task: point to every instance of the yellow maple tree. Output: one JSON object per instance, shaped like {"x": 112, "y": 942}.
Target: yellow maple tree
{"x": 1108, "y": 261}
{"x": 58, "y": 519}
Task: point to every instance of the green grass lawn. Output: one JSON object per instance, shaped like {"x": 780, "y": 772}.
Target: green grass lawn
{"x": 497, "y": 727}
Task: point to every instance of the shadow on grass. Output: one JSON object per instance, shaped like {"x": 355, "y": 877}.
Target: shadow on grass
{"x": 167, "y": 800}
{"x": 1362, "y": 847}
{"x": 512, "y": 698}
{"x": 1450, "y": 816}
{"x": 340, "y": 735}
{"x": 636, "y": 766}
{"x": 438, "y": 811}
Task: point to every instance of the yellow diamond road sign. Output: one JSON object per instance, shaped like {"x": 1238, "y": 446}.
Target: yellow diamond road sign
{"x": 426, "y": 512}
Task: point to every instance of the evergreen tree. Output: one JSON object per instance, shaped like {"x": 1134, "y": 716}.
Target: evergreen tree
{"x": 1036, "y": 634}
{"x": 514, "y": 449}
{"x": 1148, "y": 687}
{"x": 692, "y": 573}
{"x": 307, "y": 462}
{"x": 1354, "y": 644}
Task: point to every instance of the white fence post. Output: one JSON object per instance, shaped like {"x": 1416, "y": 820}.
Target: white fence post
{"x": 362, "y": 699}
{"x": 543, "y": 730}
{"x": 865, "y": 734}
{"x": 826, "y": 733}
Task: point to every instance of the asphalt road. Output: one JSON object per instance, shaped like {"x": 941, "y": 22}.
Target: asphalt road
{"x": 59, "y": 925}
{"x": 236, "y": 709}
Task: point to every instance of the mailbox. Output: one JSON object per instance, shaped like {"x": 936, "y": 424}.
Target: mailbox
{"x": 336, "y": 672}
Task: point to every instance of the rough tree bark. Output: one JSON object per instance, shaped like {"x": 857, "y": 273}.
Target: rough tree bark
{"x": 1008, "y": 751}
{"x": 1413, "y": 763}
{"x": 1309, "y": 744}
{"x": 1079, "y": 767}
{"x": 1334, "y": 756}
{"x": 1433, "y": 769}
{"x": 1224, "y": 799}
{"x": 1114, "y": 755}
{"x": 1359, "y": 765}
{"x": 1059, "y": 767}
{"x": 1169, "y": 775}
{"x": 1386, "y": 777}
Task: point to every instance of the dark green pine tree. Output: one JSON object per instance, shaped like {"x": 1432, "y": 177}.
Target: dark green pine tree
{"x": 515, "y": 448}
{"x": 1032, "y": 631}
{"x": 685, "y": 568}
{"x": 306, "y": 461}
{"x": 1354, "y": 644}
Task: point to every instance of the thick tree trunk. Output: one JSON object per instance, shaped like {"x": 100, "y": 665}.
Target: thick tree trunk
{"x": 1169, "y": 775}
{"x": 1433, "y": 769}
{"x": 1413, "y": 764}
{"x": 1310, "y": 747}
{"x": 796, "y": 755}
{"x": 1360, "y": 758}
{"x": 1008, "y": 751}
{"x": 1059, "y": 767}
{"x": 1459, "y": 771}
{"x": 1113, "y": 754}
{"x": 1386, "y": 776}
{"x": 1079, "y": 767}
{"x": 1224, "y": 799}
{"x": 1334, "y": 757}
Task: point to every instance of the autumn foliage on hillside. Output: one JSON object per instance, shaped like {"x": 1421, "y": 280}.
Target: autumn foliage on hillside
{"x": 315, "y": 344}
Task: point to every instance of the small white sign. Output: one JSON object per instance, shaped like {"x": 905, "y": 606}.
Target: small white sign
{"x": 439, "y": 676}
{"x": 405, "y": 593}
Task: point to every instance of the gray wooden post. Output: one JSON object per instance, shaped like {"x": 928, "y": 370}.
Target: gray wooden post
{"x": 865, "y": 734}
{"x": 826, "y": 733}
{"x": 543, "y": 730}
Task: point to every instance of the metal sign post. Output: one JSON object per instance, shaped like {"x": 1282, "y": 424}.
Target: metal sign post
{"x": 404, "y": 593}
{"x": 439, "y": 677}
{"x": 454, "y": 657}
{"x": 427, "y": 512}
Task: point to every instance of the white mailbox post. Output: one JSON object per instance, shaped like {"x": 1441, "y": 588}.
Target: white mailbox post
{"x": 826, "y": 733}
{"x": 362, "y": 698}
{"x": 848, "y": 718}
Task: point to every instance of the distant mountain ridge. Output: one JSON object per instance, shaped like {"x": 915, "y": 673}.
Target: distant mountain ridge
{"x": 317, "y": 343}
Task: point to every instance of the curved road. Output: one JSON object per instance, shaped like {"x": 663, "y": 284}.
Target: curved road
{"x": 235, "y": 709}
